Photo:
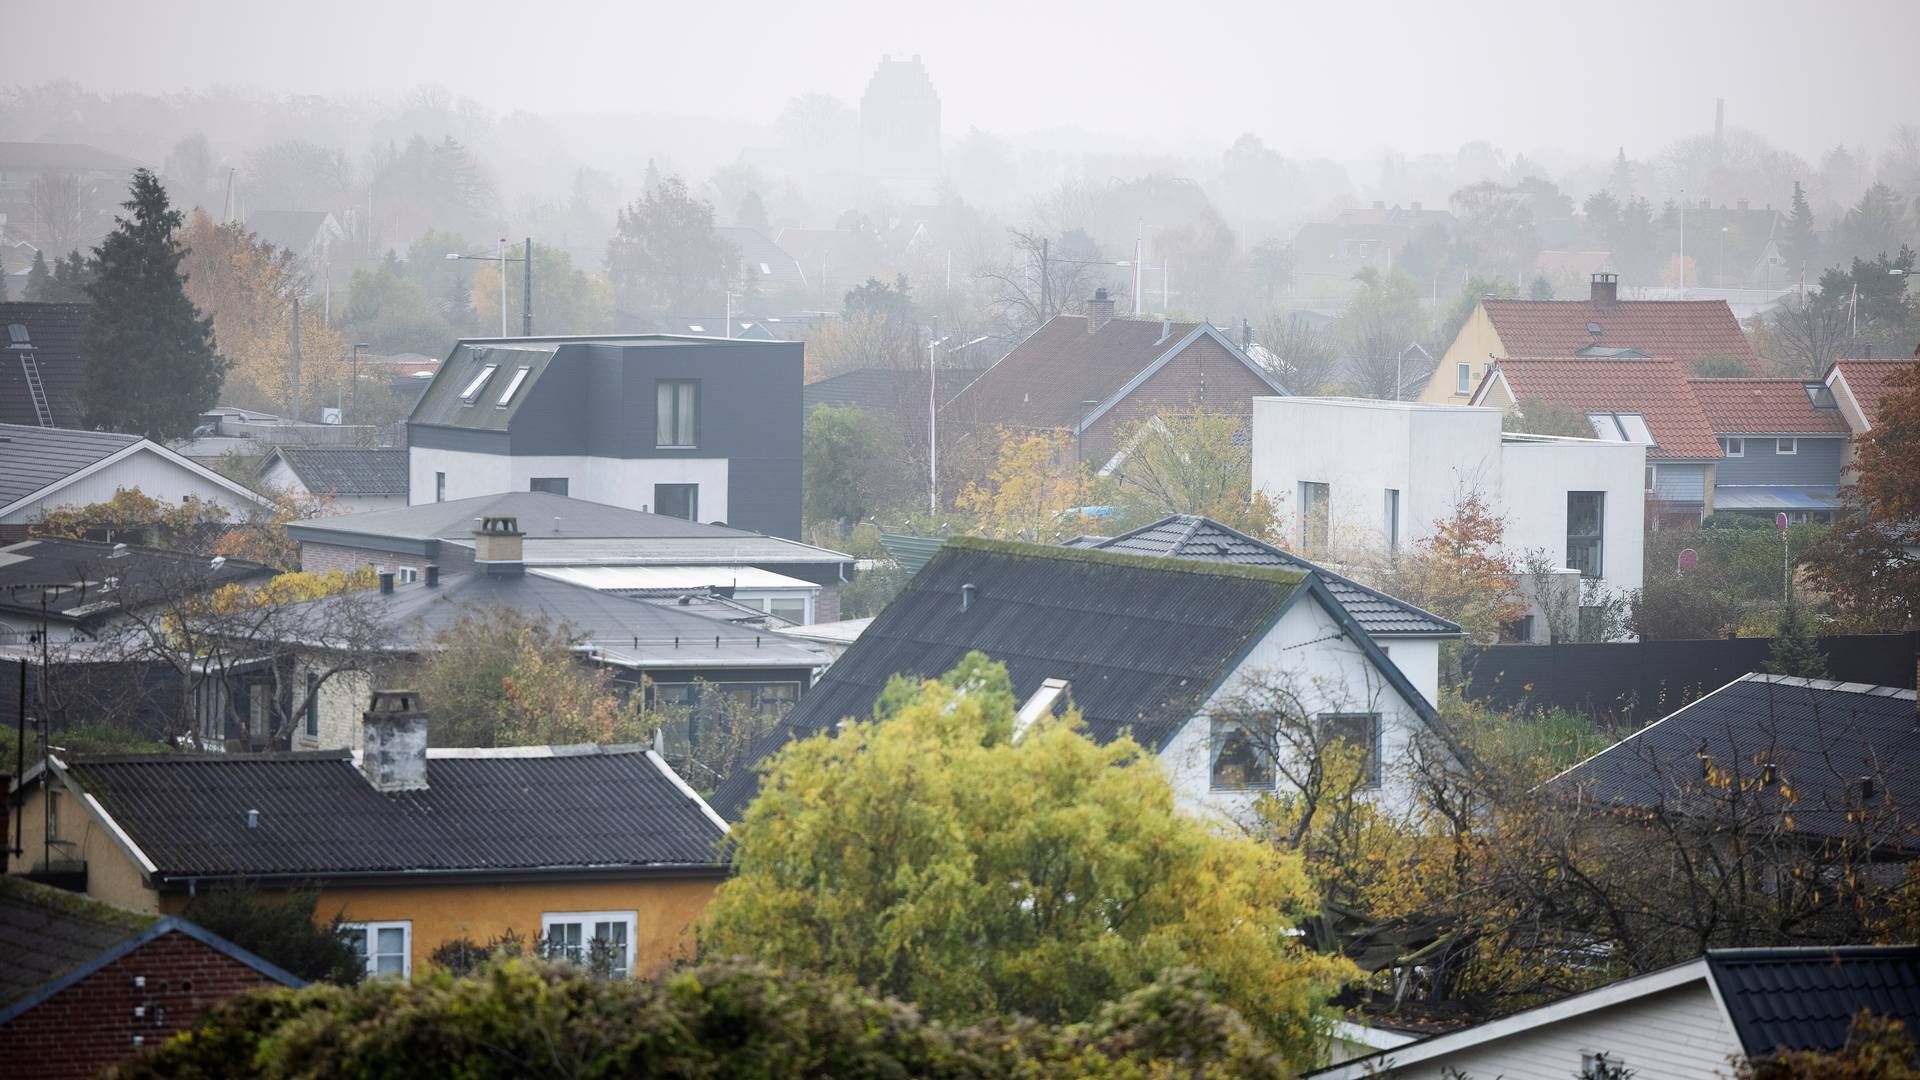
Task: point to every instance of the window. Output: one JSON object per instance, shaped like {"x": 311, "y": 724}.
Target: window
{"x": 405, "y": 575}
{"x": 1393, "y": 519}
{"x": 439, "y": 487}
{"x": 1356, "y": 729}
{"x": 506, "y": 395}
{"x": 1786, "y": 447}
{"x": 1621, "y": 427}
{"x": 1653, "y": 477}
{"x": 793, "y": 610}
{"x": 385, "y": 947}
{"x": 678, "y": 418}
{"x": 1586, "y": 519}
{"x": 1237, "y": 760}
{"x": 1462, "y": 378}
{"x": 677, "y": 500}
{"x": 1733, "y": 446}
{"x": 552, "y": 485}
{"x": 600, "y": 940}
{"x": 472, "y": 392}
{"x": 312, "y": 710}
{"x": 1820, "y": 395}
{"x": 1315, "y": 526}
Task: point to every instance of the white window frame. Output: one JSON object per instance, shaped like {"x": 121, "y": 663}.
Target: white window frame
{"x": 1463, "y": 378}
{"x": 1733, "y": 446}
{"x": 472, "y": 393}
{"x": 1653, "y": 478}
{"x": 513, "y": 385}
{"x": 686, "y": 424}
{"x": 1376, "y": 741}
{"x": 371, "y": 930}
{"x": 550, "y": 919}
{"x": 1786, "y": 447}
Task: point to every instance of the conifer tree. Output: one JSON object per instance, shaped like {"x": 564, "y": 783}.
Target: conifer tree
{"x": 151, "y": 368}
{"x": 1796, "y": 647}
{"x": 39, "y": 279}
{"x": 1803, "y": 248}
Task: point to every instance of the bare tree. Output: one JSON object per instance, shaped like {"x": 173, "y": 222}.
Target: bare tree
{"x": 1042, "y": 277}
{"x": 1304, "y": 358}
{"x": 1809, "y": 333}
{"x": 57, "y": 208}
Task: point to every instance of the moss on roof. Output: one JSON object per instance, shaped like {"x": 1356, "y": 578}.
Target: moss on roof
{"x": 1265, "y": 574}
{"x": 19, "y": 890}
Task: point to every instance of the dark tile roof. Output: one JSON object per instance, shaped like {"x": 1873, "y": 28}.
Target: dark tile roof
{"x": 1657, "y": 389}
{"x": 487, "y": 811}
{"x": 54, "y": 331}
{"x": 1805, "y": 999}
{"x": 1683, "y": 330}
{"x": 1143, "y": 641}
{"x": 46, "y": 932}
{"x": 84, "y": 581}
{"x": 345, "y": 470}
{"x": 1187, "y": 536}
{"x": 1822, "y": 735}
{"x": 885, "y": 390}
{"x": 1764, "y": 407}
{"x": 32, "y": 457}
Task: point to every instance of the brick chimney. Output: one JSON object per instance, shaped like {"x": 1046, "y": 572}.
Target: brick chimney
{"x": 498, "y": 546}
{"x": 393, "y": 742}
{"x": 1604, "y": 289}
{"x": 1099, "y": 310}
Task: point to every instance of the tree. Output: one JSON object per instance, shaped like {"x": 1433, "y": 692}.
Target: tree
{"x": 1188, "y": 462}
{"x": 1719, "y": 366}
{"x": 927, "y": 853}
{"x": 1041, "y": 277}
{"x": 1030, "y": 491}
{"x": 1877, "y": 1048}
{"x": 1497, "y": 231}
{"x": 279, "y": 929}
{"x": 1380, "y": 321}
{"x": 1541, "y": 289}
{"x": 55, "y": 202}
{"x": 1532, "y": 416}
{"x": 1459, "y": 570}
{"x": 850, "y": 465}
{"x": 1866, "y": 563}
{"x": 1874, "y": 294}
{"x": 151, "y": 368}
{"x": 1466, "y": 300}
{"x": 1304, "y": 358}
{"x": 39, "y": 279}
{"x": 1796, "y": 645}
{"x": 1808, "y": 333}
{"x": 566, "y": 300}
{"x": 1875, "y": 224}
{"x": 134, "y": 517}
{"x": 1272, "y": 263}
{"x": 1802, "y": 247}
{"x": 665, "y": 259}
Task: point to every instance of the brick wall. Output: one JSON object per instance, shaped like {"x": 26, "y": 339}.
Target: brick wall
{"x": 91, "y": 1024}
{"x": 320, "y": 558}
{"x": 1204, "y": 375}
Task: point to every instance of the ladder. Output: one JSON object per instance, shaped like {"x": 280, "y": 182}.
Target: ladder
{"x": 36, "y": 389}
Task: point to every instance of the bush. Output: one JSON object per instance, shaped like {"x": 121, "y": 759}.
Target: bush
{"x": 520, "y": 1018}
{"x": 281, "y": 931}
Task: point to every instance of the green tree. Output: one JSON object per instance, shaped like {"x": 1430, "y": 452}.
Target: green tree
{"x": 499, "y": 678}
{"x": 1475, "y": 290}
{"x": 1796, "y": 645}
{"x": 39, "y": 279}
{"x": 665, "y": 259}
{"x": 929, "y": 854}
{"x": 1541, "y": 289}
{"x": 280, "y": 929}
{"x": 850, "y": 465}
{"x": 1382, "y": 319}
{"x": 1532, "y": 416}
{"x": 1191, "y": 462}
{"x": 151, "y": 368}
{"x": 1803, "y": 247}
{"x": 1719, "y": 366}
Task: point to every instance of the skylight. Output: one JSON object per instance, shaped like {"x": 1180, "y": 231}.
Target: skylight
{"x": 17, "y": 333}
{"x": 696, "y": 328}
{"x": 506, "y": 395}
{"x": 1621, "y": 427}
{"x": 472, "y": 391}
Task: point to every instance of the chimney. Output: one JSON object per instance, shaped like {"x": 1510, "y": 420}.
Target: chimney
{"x": 393, "y": 750}
{"x": 1604, "y": 289}
{"x": 386, "y": 581}
{"x": 433, "y": 575}
{"x": 1099, "y": 310}
{"x": 497, "y": 546}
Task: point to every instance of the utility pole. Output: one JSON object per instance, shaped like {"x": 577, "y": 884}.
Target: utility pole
{"x": 526, "y": 300}
{"x": 294, "y": 404}
{"x": 1046, "y": 304}
{"x": 1139, "y": 272}
{"x": 933, "y": 437}
{"x": 502, "y": 255}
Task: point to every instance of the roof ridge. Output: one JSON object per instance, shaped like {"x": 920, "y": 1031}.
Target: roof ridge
{"x": 1019, "y": 549}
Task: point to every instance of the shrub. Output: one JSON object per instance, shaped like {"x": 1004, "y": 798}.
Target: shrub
{"x": 280, "y": 930}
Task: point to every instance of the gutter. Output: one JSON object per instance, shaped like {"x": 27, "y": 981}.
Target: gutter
{"x": 528, "y": 875}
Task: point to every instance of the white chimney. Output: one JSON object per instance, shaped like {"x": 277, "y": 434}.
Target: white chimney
{"x": 393, "y": 753}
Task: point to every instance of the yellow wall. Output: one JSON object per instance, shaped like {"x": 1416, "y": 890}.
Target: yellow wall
{"x": 1471, "y": 346}
{"x": 112, "y": 875}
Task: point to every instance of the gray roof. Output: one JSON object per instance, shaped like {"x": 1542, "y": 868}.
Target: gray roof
{"x": 61, "y": 157}
{"x": 507, "y": 811}
{"x": 344, "y": 470}
{"x": 781, "y": 270}
{"x": 33, "y": 457}
{"x": 294, "y": 230}
{"x": 54, "y": 330}
{"x": 1187, "y": 536}
{"x": 84, "y": 582}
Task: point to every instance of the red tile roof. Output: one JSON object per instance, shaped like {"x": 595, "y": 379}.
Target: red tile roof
{"x": 1044, "y": 380}
{"x": 1867, "y": 380}
{"x": 1655, "y": 388}
{"x": 1684, "y": 330}
{"x": 1764, "y": 407}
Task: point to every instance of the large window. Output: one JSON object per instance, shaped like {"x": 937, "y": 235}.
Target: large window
{"x": 1356, "y": 729}
{"x": 679, "y": 413}
{"x": 1239, "y": 760}
{"x": 1391, "y": 520}
{"x": 1315, "y": 527}
{"x": 385, "y": 947}
{"x": 1586, "y": 524}
{"x": 600, "y": 940}
{"x": 552, "y": 485}
{"x": 677, "y": 500}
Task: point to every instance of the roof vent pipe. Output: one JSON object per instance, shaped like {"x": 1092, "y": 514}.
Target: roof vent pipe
{"x": 253, "y": 819}
{"x": 966, "y": 597}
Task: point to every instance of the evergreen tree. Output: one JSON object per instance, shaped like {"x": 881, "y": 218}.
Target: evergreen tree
{"x": 151, "y": 368}
{"x": 1803, "y": 248}
{"x": 39, "y": 279}
{"x": 1796, "y": 645}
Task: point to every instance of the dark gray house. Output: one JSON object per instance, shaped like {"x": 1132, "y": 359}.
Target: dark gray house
{"x": 1783, "y": 443}
{"x": 699, "y": 428}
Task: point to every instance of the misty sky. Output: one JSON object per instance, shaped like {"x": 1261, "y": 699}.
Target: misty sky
{"x": 1340, "y": 79}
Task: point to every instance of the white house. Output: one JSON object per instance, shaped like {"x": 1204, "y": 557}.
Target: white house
{"x": 1356, "y": 475}
{"x": 42, "y": 469}
{"x": 354, "y": 479}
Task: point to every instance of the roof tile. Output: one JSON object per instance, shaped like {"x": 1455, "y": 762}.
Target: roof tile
{"x": 1764, "y": 407}
{"x": 1869, "y": 381}
{"x": 1657, "y": 389}
{"x": 1684, "y": 330}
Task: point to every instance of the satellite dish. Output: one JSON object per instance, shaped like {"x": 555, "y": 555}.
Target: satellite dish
{"x": 1689, "y": 559}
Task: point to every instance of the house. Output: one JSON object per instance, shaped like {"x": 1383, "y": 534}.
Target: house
{"x": 1159, "y": 649}
{"x": 412, "y": 847}
{"x": 662, "y": 643}
{"x": 72, "y": 589}
{"x": 355, "y": 479}
{"x": 1360, "y": 475}
{"x": 834, "y": 260}
{"x": 766, "y": 270}
{"x": 309, "y": 234}
{"x": 1685, "y": 1022}
{"x": 1095, "y": 377}
{"x": 1642, "y": 400}
{"x": 1834, "y": 744}
{"x": 1406, "y": 634}
{"x": 1600, "y": 326}
{"x": 888, "y": 392}
{"x": 563, "y": 533}
{"x": 87, "y": 984}
{"x": 100, "y": 175}
{"x": 698, "y": 428}
{"x": 1739, "y": 246}
{"x": 43, "y": 368}
{"x": 1363, "y": 237}
{"x": 1858, "y": 387}
{"x": 1783, "y": 444}
{"x": 44, "y": 469}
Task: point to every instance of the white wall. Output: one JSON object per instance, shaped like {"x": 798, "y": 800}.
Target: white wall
{"x": 156, "y": 476}
{"x": 624, "y": 482}
{"x": 1537, "y": 476}
{"x": 1335, "y": 675}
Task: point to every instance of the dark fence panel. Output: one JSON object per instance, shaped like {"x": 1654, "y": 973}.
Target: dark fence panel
{"x": 1639, "y": 682}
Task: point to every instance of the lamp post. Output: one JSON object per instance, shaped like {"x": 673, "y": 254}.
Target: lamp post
{"x": 353, "y": 393}
{"x": 501, "y": 257}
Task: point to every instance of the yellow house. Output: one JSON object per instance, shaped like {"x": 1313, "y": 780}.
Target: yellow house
{"x": 1603, "y": 326}
{"x": 412, "y": 847}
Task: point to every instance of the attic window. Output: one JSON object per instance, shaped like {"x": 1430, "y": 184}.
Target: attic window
{"x": 1621, "y": 427}
{"x": 1820, "y": 395}
{"x": 1595, "y": 329}
{"x": 765, "y": 269}
{"x": 472, "y": 392}
{"x": 17, "y": 334}
{"x": 696, "y": 328}
{"x": 513, "y": 386}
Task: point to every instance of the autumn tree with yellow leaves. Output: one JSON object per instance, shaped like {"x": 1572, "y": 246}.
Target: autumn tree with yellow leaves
{"x": 1032, "y": 491}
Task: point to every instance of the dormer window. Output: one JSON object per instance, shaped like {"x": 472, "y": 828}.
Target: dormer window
{"x": 1820, "y": 394}
{"x": 472, "y": 393}
{"x": 1621, "y": 427}
{"x": 513, "y": 386}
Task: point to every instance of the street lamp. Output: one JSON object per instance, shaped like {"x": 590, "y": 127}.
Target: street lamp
{"x": 526, "y": 261}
